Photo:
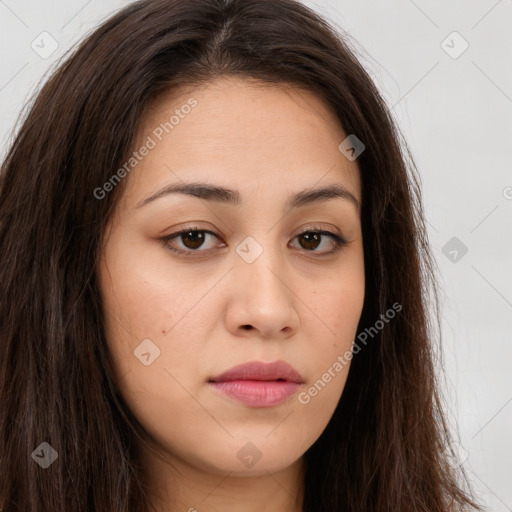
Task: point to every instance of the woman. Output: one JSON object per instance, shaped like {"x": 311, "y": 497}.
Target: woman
{"x": 215, "y": 278}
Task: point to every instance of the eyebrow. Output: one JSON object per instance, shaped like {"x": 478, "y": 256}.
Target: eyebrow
{"x": 232, "y": 197}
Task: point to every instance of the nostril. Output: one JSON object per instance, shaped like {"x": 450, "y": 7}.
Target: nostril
{"x": 247, "y": 327}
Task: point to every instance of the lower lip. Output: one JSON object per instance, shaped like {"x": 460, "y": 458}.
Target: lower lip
{"x": 257, "y": 393}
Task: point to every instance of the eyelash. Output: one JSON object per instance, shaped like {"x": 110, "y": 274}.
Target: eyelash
{"x": 339, "y": 241}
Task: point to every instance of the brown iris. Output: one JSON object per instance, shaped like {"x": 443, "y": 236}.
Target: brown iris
{"x": 193, "y": 239}
{"x": 312, "y": 240}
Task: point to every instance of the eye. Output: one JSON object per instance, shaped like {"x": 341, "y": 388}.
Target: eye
{"x": 313, "y": 238}
{"x": 192, "y": 240}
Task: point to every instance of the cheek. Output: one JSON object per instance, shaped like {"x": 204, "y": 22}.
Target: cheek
{"x": 154, "y": 320}
{"x": 139, "y": 302}
{"x": 337, "y": 302}
{"x": 153, "y": 360}
{"x": 132, "y": 301}
{"x": 330, "y": 333}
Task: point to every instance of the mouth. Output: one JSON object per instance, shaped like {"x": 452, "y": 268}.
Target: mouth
{"x": 258, "y": 384}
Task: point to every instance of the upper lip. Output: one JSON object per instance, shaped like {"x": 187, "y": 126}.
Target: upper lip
{"x": 257, "y": 370}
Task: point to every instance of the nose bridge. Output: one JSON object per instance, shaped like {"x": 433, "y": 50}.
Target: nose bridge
{"x": 262, "y": 297}
{"x": 260, "y": 263}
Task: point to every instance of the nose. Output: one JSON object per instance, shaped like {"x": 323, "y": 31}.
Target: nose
{"x": 261, "y": 299}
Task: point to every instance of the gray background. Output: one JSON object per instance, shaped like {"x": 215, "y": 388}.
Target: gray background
{"x": 455, "y": 110}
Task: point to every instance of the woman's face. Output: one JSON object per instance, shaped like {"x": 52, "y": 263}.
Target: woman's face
{"x": 252, "y": 279}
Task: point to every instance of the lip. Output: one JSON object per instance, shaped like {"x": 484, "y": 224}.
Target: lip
{"x": 258, "y": 384}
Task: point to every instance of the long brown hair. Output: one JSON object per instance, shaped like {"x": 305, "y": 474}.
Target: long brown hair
{"x": 384, "y": 448}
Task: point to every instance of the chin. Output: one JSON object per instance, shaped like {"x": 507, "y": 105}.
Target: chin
{"x": 246, "y": 458}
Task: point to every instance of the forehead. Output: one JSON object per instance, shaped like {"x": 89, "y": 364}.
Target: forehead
{"x": 243, "y": 134}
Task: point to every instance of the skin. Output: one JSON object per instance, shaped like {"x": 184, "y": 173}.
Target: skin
{"x": 267, "y": 143}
